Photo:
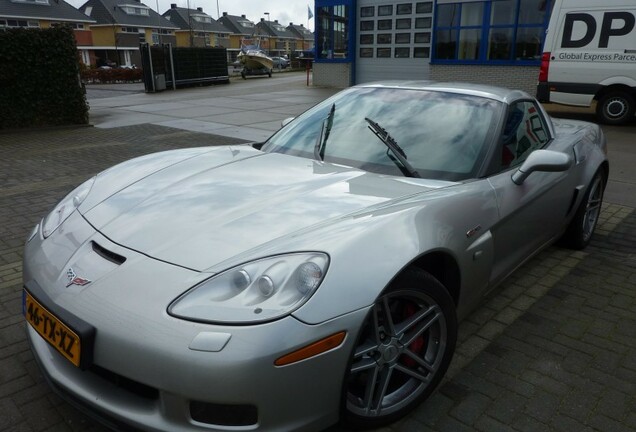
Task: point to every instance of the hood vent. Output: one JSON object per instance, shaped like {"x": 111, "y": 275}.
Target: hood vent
{"x": 108, "y": 255}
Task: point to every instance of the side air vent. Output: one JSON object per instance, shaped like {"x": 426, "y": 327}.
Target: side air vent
{"x": 575, "y": 196}
{"x": 108, "y": 255}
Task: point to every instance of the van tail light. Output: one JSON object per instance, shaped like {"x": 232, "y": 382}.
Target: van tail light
{"x": 545, "y": 66}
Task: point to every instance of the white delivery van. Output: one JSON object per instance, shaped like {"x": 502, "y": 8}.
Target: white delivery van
{"x": 590, "y": 54}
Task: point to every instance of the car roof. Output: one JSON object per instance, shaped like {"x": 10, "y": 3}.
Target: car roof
{"x": 491, "y": 92}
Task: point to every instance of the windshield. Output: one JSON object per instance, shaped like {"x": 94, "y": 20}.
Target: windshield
{"x": 443, "y": 135}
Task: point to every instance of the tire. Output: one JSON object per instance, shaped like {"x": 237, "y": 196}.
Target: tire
{"x": 581, "y": 228}
{"x": 615, "y": 108}
{"x": 403, "y": 350}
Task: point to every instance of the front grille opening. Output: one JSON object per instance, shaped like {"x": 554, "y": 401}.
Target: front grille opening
{"x": 223, "y": 415}
{"x": 108, "y": 255}
{"x": 131, "y": 386}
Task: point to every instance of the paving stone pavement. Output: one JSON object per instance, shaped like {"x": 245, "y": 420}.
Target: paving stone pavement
{"x": 552, "y": 349}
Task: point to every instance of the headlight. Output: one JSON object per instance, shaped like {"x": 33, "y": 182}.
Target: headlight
{"x": 65, "y": 207}
{"x": 258, "y": 291}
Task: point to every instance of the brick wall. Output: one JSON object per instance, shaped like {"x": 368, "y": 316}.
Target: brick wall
{"x": 514, "y": 77}
{"x": 332, "y": 74}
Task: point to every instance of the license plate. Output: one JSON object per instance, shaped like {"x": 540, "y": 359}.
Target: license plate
{"x": 53, "y": 330}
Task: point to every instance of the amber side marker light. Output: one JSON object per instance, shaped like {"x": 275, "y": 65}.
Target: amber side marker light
{"x": 319, "y": 347}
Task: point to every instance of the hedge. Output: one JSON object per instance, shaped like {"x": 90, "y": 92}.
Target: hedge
{"x": 39, "y": 79}
{"x": 115, "y": 75}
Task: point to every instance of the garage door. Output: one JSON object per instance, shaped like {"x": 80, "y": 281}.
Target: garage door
{"x": 394, "y": 40}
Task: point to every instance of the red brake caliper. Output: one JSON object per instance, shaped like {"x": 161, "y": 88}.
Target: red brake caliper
{"x": 417, "y": 345}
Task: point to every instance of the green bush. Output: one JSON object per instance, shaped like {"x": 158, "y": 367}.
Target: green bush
{"x": 39, "y": 79}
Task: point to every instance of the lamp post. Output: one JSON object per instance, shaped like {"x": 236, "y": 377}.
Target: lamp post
{"x": 190, "y": 25}
{"x": 158, "y": 23}
{"x": 269, "y": 49}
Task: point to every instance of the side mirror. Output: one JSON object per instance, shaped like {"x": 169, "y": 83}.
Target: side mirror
{"x": 286, "y": 121}
{"x": 542, "y": 160}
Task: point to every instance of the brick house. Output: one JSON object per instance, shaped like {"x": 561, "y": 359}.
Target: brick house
{"x": 241, "y": 28}
{"x": 304, "y": 37}
{"x": 278, "y": 40}
{"x": 121, "y": 25}
{"x": 197, "y": 28}
{"x": 45, "y": 14}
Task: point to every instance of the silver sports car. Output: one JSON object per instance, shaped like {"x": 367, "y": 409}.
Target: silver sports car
{"x": 313, "y": 278}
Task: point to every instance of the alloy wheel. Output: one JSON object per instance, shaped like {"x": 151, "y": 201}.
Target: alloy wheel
{"x": 400, "y": 352}
{"x": 592, "y": 208}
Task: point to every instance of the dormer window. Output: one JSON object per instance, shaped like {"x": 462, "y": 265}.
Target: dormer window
{"x": 40, "y": 2}
{"x": 278, "y": 27}
{"x": 202, "y": 18}
{"x": 246, "y": 23}
{"x": 135, "y": 9}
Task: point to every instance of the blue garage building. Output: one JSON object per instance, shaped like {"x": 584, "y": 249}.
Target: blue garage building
{"x": 488, "y": 41}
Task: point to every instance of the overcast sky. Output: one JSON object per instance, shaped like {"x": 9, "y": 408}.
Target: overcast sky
{"x": 285, "y": 11}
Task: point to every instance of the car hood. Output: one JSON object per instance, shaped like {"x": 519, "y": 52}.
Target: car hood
{"x": 206, "y": 209}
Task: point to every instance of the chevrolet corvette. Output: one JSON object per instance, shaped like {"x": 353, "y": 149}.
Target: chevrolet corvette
{"x": 314, "y": 278}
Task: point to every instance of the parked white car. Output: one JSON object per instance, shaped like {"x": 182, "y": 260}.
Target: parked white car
{"x": 280, "y": 62}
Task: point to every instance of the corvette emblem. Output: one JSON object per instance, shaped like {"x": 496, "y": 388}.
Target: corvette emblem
{"x": 73, "y": 279}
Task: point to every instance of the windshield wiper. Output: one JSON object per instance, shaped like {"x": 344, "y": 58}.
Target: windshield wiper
{"x": 319, "y": 148}
{"x": 390, "y": 142}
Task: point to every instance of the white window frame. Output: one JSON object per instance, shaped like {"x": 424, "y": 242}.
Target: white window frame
{"x": 127, "y": 58}
{"x": 142, "y": 35}
{"x": 28, "y": 23}
{"x": 86, "y": 58}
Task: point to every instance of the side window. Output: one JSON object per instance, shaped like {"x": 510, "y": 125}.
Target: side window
{"x": 523, "y": 133}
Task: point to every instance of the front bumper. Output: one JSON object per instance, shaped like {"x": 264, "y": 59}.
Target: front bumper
{"x": 147, "y": 370}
